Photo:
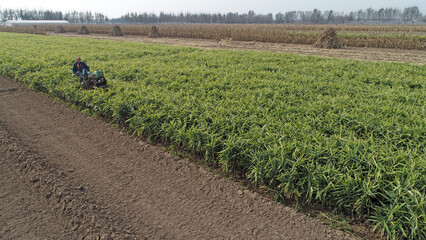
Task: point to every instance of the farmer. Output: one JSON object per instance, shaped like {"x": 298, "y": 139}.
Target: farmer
{"x": 79, "y": 66}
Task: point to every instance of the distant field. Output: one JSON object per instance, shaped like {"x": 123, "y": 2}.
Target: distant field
{"x": 378, "y": 36}
{"x": 343, "y": 133}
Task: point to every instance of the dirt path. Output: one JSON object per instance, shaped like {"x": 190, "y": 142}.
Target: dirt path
{"x": 369, "y": 54}
{"x": 24, "y": 213}
{"x": 65, "y": 175}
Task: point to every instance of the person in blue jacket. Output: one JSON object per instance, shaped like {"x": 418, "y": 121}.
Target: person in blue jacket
{"x": 79, "y": 66}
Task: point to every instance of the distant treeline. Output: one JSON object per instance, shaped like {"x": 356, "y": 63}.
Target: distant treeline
{"x": 369, "y": 15}
{"x": 411, "y": 14}
{"x": 72, "y": 17}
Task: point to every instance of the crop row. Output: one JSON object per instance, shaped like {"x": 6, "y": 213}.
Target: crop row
{"x": 342, "y": 133}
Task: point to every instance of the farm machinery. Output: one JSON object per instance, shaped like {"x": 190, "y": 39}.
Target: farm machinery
{"x": 89, "y": 80}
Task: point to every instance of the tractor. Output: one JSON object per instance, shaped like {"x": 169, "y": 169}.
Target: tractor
{"x": 90, "y": 80}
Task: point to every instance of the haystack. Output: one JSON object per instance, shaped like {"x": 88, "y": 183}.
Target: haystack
{"x": 83, "y": 30}
{"x": 328, "y": 39}
{"x": 60, "y": 29}
{"x": 154, "y": 33}
{"x": 116, "y": 31}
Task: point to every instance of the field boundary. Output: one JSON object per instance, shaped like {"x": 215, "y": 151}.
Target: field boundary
{"x": 356, "y": 53}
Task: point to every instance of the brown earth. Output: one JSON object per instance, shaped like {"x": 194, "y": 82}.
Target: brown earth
{"x": 370, "y": 54}
{"x": 65, "y": 175}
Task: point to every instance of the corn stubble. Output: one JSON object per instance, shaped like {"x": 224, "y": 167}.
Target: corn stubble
{"x": 387, "y": 36}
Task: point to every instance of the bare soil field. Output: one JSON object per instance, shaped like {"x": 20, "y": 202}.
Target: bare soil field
{"x": 370, "y": 54}
{"x": 65, "y": 175}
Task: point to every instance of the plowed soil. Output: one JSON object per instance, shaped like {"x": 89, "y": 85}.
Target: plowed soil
{"x": 366, "y": 54}
{"x": 65, "y": 175}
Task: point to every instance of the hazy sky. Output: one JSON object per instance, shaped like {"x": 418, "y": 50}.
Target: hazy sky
{"x": 118, "y": 8}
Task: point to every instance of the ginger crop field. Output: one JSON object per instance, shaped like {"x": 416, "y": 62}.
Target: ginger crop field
{"x": 347, "y": 134}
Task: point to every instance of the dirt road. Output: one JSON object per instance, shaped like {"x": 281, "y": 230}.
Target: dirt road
{"x": 366, "y": 54}
{"x": 65, "y": 175}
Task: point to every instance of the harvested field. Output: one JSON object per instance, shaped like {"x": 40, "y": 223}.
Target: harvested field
{"x": 369, "y": 54}
{"x": 388, "y": 36}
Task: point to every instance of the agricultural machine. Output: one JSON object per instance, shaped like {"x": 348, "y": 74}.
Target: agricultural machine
{"x": 90, "y": 80}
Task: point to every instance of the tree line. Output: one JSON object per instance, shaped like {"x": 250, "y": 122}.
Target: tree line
{"x": 86, "y": 17}
{"x": 385, "y": 15}
{"x": 369, "y": 15}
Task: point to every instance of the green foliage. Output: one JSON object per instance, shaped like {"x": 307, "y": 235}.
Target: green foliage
{"x": 343, "y": 133}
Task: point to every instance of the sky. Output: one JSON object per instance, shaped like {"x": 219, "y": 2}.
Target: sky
{"x": 114, "y": 9}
